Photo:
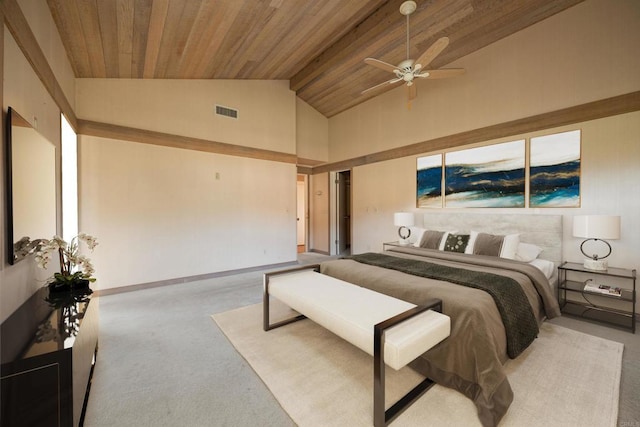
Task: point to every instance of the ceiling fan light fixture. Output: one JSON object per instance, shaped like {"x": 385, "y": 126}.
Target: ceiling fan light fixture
{"x": 409, "y": 69}
{"x": 406, "y": 65}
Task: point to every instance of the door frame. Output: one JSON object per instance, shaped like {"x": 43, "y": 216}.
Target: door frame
{"x": 304, "y": 180}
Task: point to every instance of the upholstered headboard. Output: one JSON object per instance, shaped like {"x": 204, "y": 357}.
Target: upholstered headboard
{"x": 542, "y": 230}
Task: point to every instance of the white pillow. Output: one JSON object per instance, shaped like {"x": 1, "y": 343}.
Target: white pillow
{"x": 527, "y": 252}
{"x": 547, "y": 267}
{"x": 510, "y": 246}
{"x": 418, "y": 235}
{"x": 472, "y": 241}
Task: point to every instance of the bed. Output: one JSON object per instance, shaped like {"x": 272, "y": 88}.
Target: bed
{"x": 495, "y": 301}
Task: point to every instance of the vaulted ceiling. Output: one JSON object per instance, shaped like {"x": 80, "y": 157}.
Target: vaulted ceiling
{"x": 318, "y": 45}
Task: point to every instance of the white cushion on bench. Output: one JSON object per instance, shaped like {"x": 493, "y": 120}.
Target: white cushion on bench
{"x": 351, "y": 312}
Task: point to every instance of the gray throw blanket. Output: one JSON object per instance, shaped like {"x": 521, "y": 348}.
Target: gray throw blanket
{"x": 517, "y": 316}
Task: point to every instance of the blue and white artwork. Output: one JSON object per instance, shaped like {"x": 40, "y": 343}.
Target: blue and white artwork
{"x": 554, "y": 170}
{"x": 429, "y": 181}
{"x": 486, "y": 177}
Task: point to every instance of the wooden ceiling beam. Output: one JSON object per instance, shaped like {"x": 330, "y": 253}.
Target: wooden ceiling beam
{"x": 143, "y": 136}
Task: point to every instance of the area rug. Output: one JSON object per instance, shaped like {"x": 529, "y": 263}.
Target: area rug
{"x": 565, "y": 378}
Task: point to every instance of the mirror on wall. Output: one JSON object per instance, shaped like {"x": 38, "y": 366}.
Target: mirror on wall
{"x": 31, "y": 187}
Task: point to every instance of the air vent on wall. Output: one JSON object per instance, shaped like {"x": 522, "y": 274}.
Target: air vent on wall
{"x": 226, "y": 111}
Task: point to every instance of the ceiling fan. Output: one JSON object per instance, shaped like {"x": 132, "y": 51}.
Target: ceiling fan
{"x": 408, "y": 70}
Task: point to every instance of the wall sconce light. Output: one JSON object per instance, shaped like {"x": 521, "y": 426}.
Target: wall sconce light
{"x": 596, "y": 228}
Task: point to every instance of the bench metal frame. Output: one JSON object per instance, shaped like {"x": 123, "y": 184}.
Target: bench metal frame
{"x": 266, "y": 325}
{"x": 381, "y": 417}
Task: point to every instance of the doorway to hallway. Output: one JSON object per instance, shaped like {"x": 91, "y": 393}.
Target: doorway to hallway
{"x": 343, "y": 212}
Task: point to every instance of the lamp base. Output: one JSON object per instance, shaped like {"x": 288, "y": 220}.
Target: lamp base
{"x": 595, "y": 264}
{"x": 404, "y": 237}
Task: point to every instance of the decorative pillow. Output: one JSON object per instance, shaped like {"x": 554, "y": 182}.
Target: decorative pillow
{"x": 443, "y": 241}
{"x": 488, "y": 244}
{"x": 431, "y": 239}
{"x": 527, "y": 252}
{"x": 456, "y": 243}
{"x": 496, "y": 245}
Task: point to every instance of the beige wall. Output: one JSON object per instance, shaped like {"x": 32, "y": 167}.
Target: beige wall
{"x": 609, "y": 173}
{"x": 23, "y": 91}
{"x": 266, "y": 109}
{"x": 163, "y": 213}
{"x": 586, "y": 53}
{"x": 312, "y": 133}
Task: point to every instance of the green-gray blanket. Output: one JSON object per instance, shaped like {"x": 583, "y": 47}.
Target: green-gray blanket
{"x": 519, "y": 321}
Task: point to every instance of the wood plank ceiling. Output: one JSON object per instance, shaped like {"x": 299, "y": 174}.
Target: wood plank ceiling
{"x": 318, "y": 45}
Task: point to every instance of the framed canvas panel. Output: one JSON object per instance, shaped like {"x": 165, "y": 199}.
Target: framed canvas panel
{"x": 486, "y": 177}
{"x": 554, "y": 170}
{"x": 429, "y": 182}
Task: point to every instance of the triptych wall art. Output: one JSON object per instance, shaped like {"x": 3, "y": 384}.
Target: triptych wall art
{"x": 495, "y": 175}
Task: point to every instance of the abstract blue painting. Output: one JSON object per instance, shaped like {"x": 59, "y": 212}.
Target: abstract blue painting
{"x": 429, "y": 181}
{"x": 486, "y": 177}
{"x": 554, "y": 170}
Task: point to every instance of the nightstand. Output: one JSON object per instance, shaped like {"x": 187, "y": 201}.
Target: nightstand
{"x": 591, "y": 296}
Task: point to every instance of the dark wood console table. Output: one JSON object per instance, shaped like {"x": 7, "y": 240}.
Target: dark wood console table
{"x": 48, "y": 351}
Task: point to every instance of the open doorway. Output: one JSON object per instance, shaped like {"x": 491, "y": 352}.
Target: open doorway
{"x": 343, "y": 212}
{"x": 301, "y": 212}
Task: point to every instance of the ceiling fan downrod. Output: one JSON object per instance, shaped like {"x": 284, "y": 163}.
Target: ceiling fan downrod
{"x": 407, "y": 8}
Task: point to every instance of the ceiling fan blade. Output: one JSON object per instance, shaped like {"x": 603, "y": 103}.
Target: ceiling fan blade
{"x": 433, "y": 51}
{"x": 412, "y": 92}
{"x": 387, "y": 83}
{"x": 381, "y": 64}
{"x": 442, "y": 73}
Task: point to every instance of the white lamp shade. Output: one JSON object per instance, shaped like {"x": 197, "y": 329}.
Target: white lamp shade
{"x": 596, "y": 226}
{"x": 403, "y": 219}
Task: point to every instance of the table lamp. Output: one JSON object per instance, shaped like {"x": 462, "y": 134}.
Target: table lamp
{"x": 596, "y": 228}
{"x": 403, "y": 220}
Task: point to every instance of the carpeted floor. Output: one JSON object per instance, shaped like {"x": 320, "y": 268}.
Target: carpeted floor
{"x": 319, "y": 379}
{"x": 163, "y": 362}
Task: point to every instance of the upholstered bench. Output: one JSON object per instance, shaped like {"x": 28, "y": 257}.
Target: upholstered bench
{"x": 376, "y": 323}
